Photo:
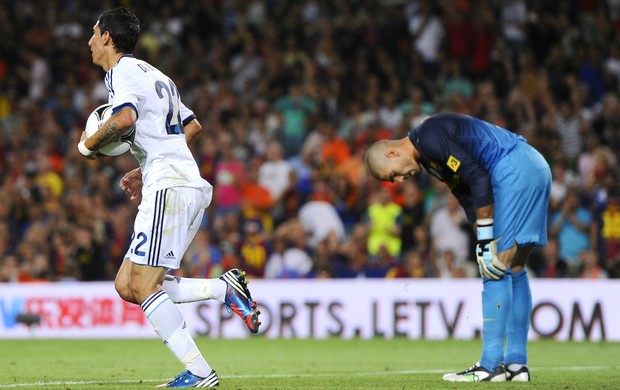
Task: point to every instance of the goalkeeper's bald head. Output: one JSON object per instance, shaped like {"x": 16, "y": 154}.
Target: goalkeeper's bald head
{"x": 376, "y": 160}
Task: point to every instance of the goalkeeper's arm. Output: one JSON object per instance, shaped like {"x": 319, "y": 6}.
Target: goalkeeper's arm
{"x": 486, "y": 250}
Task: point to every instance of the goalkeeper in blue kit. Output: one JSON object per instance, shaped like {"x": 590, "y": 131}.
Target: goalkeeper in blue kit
{"x": 503, "y": 184}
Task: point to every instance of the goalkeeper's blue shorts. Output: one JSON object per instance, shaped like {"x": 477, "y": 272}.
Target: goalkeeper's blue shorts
{"x": 521, "y": 186}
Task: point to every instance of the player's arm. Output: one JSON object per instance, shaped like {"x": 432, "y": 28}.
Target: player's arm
{"x": 484, "y": 212}
{"x": 486, "y": 248}
{"x": 192, "y": 129}
{"x": 191, "y": 126}
{"x": 463, "y": 194}
{"x": 111, "y": 130}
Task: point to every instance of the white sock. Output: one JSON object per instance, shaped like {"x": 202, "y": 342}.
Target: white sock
{"x": 184, "y": 290}
{"x": 169, "y": 325}
{"x": 514, "y": 366}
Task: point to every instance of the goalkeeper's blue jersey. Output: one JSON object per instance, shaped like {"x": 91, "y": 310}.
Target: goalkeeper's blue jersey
{"x": 484, "y": 164}
{"x": 463, "y": 152}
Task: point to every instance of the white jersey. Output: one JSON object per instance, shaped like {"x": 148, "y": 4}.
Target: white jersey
{"x": 159, "y": 144}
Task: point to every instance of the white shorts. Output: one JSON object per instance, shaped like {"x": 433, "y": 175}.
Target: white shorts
{"x": 166, "y": 223}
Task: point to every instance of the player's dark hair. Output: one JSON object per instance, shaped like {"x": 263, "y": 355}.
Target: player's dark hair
{"x": 123, "y": 26}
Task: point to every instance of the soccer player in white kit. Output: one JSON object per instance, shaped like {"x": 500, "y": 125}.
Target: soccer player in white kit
{"x": 174, "y": 195}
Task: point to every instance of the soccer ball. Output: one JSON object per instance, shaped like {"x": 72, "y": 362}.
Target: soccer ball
{"x": 94, "y": 122}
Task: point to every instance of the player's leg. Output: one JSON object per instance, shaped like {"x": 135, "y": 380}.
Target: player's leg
{"x": 151, "y": 254}
{"x": 496, "y": 307}
{"x": 231, "y": 288}
{"x": 121, "y": 283}
{"x": 185, "y": 290}
{"x": 168, "y": 322}
{"x": 528, "y": 227}
{"x": 518, "y": 327}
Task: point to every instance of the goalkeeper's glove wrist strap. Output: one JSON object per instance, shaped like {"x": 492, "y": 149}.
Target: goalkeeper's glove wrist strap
{"x": 485, "y": 229}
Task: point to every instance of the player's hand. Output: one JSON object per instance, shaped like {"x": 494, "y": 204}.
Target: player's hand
{"x": 486, "y": 251}
{"x": 131, "y": 183}
{"x": 488, "y": 261}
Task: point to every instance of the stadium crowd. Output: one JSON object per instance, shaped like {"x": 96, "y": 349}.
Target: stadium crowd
{"x": 290, "y": 94}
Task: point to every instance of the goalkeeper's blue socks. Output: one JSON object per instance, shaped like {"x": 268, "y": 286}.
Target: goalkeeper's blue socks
{"x": 496, "y": 306}
{"x": 519, "y": 319}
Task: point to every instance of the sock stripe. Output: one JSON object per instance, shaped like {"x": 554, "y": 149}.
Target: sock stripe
{"x": 150, "y": 298}
{"x": 152, "y": 302}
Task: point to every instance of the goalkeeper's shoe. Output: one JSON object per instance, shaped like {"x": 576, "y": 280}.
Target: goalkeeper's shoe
{"x": 187, "y": 379}
{"x": 477, "y": 373}
{"x": 517, "y": 373}
{"x": 239, "y": 300}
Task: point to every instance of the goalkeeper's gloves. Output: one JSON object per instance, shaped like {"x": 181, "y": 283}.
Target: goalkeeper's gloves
{"x": 486, "y": 251}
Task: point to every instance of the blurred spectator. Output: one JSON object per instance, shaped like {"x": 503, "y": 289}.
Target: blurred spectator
{"x": 450, "y": 231}
{"x": 607, "y": 224}
{"x": 35, "y": 73}
{"x": 252, "y": 249}
{"x": 89, "y": 255}
{"x": 562, "y": 179}
{"x": 448, "y": 267}
{"x": 572, "y": 226}
{"x": 202, "y": 259}
{"x": 415, "y": 266}
{"x": 274, "y": 172}
{"x": 322, "y": 260}
{"x": 613, "y": 267}
{"x": 296, "y": 109}
{"x": 383, "y": 265}
{"x": 590, "y": 267}
{"x": 246, "y": 65}
{"x": 334, "y": 150}
{"x": 384, "y": 219}
{"x": 390, "y": 115}
{"x": 553, "y": 265}
{"x": 229, "y": 180}
{"x": 290, "y": 259}
{"x": 320, "y": 220}
{"x": 255, "y": 196}
{"x": 513, "y": 17}
{"x": 427, "y": 32}
{"x": 412, "y": 213}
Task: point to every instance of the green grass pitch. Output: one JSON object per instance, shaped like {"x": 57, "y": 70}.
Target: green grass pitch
{"x": 261, "y": 363}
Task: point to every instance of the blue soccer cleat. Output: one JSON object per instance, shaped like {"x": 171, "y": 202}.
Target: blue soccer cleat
{"x": 187, "y": 379}
{"x": 239, "y": 300}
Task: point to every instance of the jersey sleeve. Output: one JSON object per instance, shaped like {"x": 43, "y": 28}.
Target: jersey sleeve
{"x": 187, "y": 115}
{"x": 124, "y": 92}
{"x": 463, "y": 194}
{"x": 443, "y": 148}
